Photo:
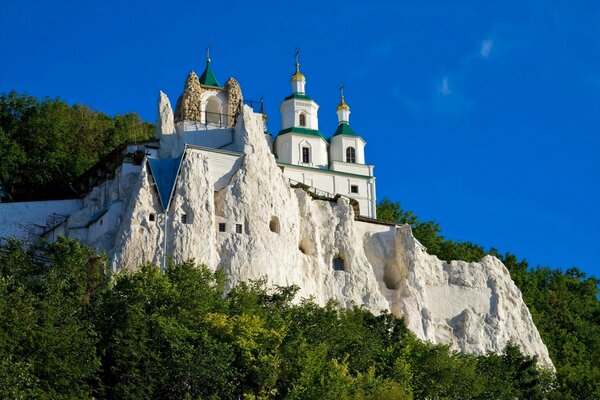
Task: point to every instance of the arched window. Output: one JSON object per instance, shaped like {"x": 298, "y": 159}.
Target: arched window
{"x": 213, "y": 111}
{"x": 302, "y": 120}
{"x": 350, "y": 154}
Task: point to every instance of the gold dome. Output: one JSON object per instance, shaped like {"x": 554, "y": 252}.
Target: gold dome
{"x": 298, "y": 75}
{"x": 343, "y": 105}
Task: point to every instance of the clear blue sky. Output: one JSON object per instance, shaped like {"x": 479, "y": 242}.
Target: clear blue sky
{"x": 482, "y": 117}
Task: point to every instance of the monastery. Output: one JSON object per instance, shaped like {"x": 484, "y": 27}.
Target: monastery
{"x": 297, "y": 209}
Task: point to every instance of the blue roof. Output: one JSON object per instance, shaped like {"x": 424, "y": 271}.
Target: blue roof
{"x": 164, "y": 171}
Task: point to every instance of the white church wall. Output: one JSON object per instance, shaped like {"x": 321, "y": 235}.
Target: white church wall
{"x": 339, "y": 144}
{"x": 352, "y": 168}
{"x": 25, "y": 220}
{"x": 291, "y": 110}
{"x": 289, "y": 150}
{"x": 331, "y": 184}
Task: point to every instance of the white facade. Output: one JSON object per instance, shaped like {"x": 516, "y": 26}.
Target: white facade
{"x": 305, "y": 150}
{"x": 294, "y": 109}
{"x": 339, "y": 145}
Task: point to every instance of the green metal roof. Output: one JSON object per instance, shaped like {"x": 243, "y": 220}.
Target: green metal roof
{"x": 300, "y": 96}
{"x": 302, "y": 131}
{"x": 208, "y": 77}
{"x": 344, "y": 129}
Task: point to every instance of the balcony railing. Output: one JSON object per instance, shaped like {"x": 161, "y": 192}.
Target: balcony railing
{"x": 217, "y": 119}
{"x": 256, "y": 105}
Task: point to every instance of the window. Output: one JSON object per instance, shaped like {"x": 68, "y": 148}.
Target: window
{"x": 239, "y": 228}
{"x": 305, "y": 155}
{"x": 151, "y": 217}
{"x": 222, "y": 227}
{"x": 302, "y": 120}
{"x": 213, "y": 111}
{"x": 338, "y": 264}
{"x": 184, "y": 219}
{"x": 350, "y": 155}
{"x": 354, "y": 189}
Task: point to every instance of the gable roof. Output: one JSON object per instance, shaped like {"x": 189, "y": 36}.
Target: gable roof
{"x": 164, "y": 171}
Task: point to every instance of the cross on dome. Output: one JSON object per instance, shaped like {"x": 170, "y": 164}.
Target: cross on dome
{"x": 298, "y": 75}
{"x": 342, "y": 105}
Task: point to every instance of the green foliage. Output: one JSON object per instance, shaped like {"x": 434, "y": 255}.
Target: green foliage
{"x": 566, "y": 311}
{"x": 70, "y": 330}
{"x": 564, "y": 306}
{"x": 45, "y": 144}
{"x": 428, "y": 233}
{"x": 47, "y": 342}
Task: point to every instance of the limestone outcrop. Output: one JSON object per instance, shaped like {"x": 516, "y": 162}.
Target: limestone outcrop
{"x": 235, "y": 100}
{"x": 166, "y": 121}
{"x": 188, "y": 105}
{"x": 258, "y": 226}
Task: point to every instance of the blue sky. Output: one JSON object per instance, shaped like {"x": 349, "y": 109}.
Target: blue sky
{"x": 482, "y": 116}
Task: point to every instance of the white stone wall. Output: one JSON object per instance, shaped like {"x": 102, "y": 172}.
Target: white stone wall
{"x": 25, "y": 220}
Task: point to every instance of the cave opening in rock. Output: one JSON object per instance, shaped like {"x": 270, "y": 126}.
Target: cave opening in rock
{"x": 306, "y": 246}
{"x": 274, "y": 225}
{"x": 391, "y": 276}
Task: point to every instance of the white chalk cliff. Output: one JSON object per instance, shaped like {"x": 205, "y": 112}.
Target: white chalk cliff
{"x": 292, "y": 239}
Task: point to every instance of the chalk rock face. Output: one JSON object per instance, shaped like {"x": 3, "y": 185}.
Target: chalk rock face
{"x": 475, "y": 307}
{"x": 188, "y": 105}
{"x": 166, "y": 122}
{"x": 258, "y": 226}
{"x": 142, "y": 235}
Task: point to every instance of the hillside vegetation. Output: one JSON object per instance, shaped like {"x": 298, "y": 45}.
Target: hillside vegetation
{"x": 46, "y": 144}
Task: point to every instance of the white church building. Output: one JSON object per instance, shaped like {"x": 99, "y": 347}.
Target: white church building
{"x": 335, "y": 165}
{"x": 205, "y": 119}
{"x": 206, "y": 113}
